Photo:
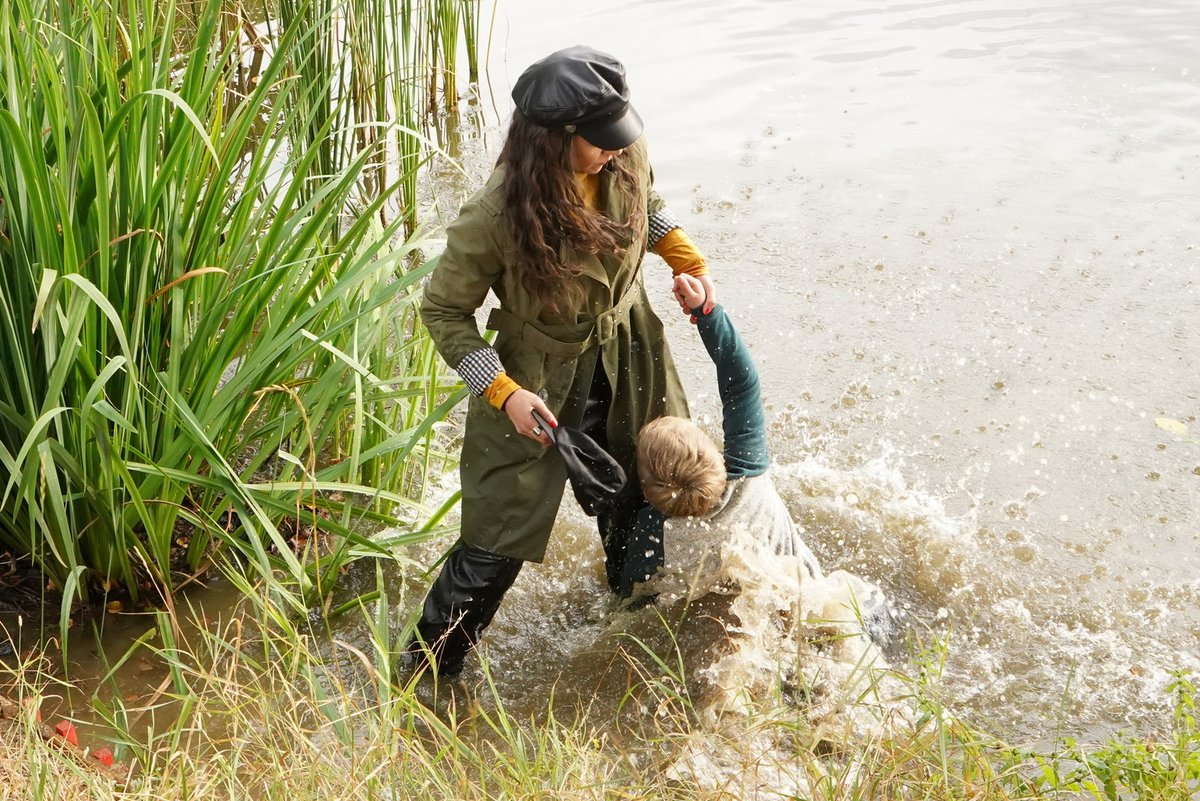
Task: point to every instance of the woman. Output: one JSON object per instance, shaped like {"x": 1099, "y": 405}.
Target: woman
{"x": 558, "y": 233}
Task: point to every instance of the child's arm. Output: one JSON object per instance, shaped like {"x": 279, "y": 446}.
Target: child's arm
{"x": 743, "y": 421}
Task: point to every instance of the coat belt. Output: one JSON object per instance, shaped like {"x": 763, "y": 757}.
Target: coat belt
{"x": 565, "y": 340}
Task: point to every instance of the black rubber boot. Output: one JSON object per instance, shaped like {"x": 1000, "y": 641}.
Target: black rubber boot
{"x": 460, "y": 605}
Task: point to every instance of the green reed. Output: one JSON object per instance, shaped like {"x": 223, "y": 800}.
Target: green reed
{"x": 208, "y": 341}
{"x": 376, "y": 61}
{"x": 470, "y": 26}
{"x": 444, "y": 41}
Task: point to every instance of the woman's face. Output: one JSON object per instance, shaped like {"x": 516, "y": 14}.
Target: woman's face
{"x": 586, "y": 157}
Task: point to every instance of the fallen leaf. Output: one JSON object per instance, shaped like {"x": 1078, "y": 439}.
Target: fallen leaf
{"x": 1171, "y": 426}
{"x": 114, "y": 607}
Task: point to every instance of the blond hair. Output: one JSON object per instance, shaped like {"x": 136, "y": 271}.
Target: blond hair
{"x": 681, "y": 470}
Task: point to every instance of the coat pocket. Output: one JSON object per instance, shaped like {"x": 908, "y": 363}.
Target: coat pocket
{"x": 549, "y": 375}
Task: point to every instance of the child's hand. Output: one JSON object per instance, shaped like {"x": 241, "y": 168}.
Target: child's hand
{"x": 690, "y": 293}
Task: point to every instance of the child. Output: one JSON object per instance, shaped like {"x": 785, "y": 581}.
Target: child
{"x": 721, "y": 505}
{"x": 683, "y": 474}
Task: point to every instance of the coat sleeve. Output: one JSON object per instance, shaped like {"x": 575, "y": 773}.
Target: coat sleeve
{"x": 472, "y": 263}
{"x": 742, "y": 418}
{"x": 654, "y": 201}
{"x": 659, "y": 220}
{"x": 665, "y": 235}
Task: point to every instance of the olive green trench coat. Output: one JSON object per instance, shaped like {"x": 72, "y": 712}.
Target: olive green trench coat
{"x": 511, "y": 485}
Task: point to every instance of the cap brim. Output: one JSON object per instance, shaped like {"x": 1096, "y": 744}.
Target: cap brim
{"x": 613, "y": 133}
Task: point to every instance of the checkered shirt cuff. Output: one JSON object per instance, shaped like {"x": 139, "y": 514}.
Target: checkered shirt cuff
{"x": 662, "y": 222}
{"x": 479, "y": 368}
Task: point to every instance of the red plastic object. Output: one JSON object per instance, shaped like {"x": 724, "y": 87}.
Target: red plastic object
{"x": 66, "y": 730}
{"x": 103, "y": 756}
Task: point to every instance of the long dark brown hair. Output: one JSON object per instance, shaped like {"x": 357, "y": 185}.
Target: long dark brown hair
{"x": 545, "y": 211}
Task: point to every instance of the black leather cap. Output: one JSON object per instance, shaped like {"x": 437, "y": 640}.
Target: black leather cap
{"x": 580, "y": 90}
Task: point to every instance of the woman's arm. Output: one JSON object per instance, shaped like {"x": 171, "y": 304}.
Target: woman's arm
{"x": 471, "y": 264}
{"x": 681, "y": 254}
{"x": 668, "y": 239}
{"x": 467, "y": 269}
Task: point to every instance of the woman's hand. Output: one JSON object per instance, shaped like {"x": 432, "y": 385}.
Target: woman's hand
{"x": 520, "y": 407}
{"x": 694, "y": 292}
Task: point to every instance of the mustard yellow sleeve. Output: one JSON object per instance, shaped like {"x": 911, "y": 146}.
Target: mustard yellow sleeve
{"x": 678, "y": 251}
{"x": 500, "y": 389}
{"x": 589, "y": 189}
